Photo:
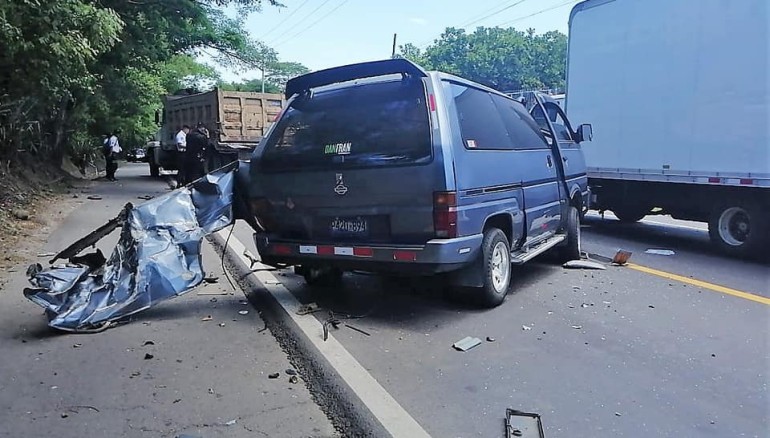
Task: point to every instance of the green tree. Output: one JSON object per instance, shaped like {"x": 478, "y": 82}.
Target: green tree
{"x": 504, "y": 59}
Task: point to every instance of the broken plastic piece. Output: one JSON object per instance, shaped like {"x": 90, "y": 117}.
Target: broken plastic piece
{"x": 584, "y": 264}
{"x": 466, "y": 343}
{"x": 523, "y": 424}
{"x": 158, "y": 257}
{"x": 621, "y": 257}
{"x": 663, "y": 252}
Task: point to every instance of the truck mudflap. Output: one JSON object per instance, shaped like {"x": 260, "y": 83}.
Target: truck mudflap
{"x": 157, "y": 257}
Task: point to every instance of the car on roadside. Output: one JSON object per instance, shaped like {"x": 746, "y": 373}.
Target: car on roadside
{"x": 384, "y": 167}
{"x": 136, "y": 155}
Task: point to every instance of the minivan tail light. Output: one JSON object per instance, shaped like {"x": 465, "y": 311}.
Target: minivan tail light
{"x": 445, "y": 214}
{"x": 432, "y": 100}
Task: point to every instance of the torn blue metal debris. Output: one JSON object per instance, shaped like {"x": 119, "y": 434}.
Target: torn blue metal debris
{"x": 158, "y": 256}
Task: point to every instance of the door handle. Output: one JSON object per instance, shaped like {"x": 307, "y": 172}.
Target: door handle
{"x": 549, "y": 161}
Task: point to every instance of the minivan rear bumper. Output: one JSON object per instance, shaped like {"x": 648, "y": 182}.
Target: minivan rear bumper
{"x": 436, "y": 256}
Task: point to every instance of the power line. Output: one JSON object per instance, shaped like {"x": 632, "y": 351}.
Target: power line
{"x": 560, "y": 5}
{"x": 283, "y": 21}
{"x": 494, "y": 13}
{"x": 292, "y": 28}
{"x": 482, "y": 13}
{"x": 475, "y": 20}
{"x": 311, "y": 25}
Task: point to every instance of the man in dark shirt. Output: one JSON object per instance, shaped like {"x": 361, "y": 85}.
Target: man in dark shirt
{"x": 197, "y": 141}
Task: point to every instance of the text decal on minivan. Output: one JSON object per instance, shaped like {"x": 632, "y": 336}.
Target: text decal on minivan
{"x": 337, "y": 149}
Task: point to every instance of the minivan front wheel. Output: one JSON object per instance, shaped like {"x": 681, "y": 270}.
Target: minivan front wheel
{"x": 496, "y": 254}
{"x": 570, "y": 250}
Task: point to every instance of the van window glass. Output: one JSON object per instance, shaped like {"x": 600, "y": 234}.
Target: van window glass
{"x": 522, "y": 129}
{"x": 480, "y": 122}
{"x": 373, "y": 125}
{"x": 559, "y": 123}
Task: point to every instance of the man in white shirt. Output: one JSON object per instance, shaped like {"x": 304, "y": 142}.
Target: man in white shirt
{"x": 181, "y": 147}
{"x": 113, "y": 149}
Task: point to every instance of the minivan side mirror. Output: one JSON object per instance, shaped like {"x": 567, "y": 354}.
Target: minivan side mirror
{"x": 585, "y": 132}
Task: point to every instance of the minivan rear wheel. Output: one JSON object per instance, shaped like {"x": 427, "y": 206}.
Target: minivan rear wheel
{"x": 322, "y": 277}
{"x": 496, "y": 254}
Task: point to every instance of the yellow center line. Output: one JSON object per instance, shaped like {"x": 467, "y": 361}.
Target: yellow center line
{"x": 702, "y": 284}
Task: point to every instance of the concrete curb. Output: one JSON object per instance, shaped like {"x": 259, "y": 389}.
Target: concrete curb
{"x": 349, "y": 415}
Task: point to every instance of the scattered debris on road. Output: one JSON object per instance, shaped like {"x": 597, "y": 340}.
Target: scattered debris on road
{"x": 466, "y": 343}
{"x": 243, "y": 312}
{"x": 145, "y": 197}
{"x": 148, "y": 356}
{"x": 210, "y": 279}
{"x": 306, "y": 309}
{"x": 523, "y": 424}
{"x": 252, "y": 260}
{"x": 621, "y": 257}
{"x": 526, "y": 328}
{"x": 46, "y": 254}
{"x": 231, "y": 422}
{"x": 207, "y": 318}
{"x": 294, "y": 379}
{"x": 94, "y": 197}
{"x": 291, "y": 372}
{"x": 273, "y": 375}
{"x": 577, "y": 327}
{"x": 663, "y": 252}
{"x": 22, "y": 215}
{"x": 148, "y": 342}
{"x": 490, "y": 339}
{"x": 584, "y": 264}
{"x": 357, "y": 329}
{"x": 221, "y": 324}
{"x": 618, "y": 414}
{"x": 77, "y": 345}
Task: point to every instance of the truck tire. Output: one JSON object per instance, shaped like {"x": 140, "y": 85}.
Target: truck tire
{"x": 630, "y": 213}
{"x": 570, "y": 250}
{"x": 496, "y": 263}
{"x": 739, "y": 228}
{"x": 154, "y": 168}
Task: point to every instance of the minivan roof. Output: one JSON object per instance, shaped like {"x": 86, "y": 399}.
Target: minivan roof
{"x": 370, "y": 72}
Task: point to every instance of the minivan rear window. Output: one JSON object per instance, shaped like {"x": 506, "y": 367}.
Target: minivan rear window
{"x": 373, "y": 125}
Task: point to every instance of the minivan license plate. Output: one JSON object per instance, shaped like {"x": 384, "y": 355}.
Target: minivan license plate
{"x": 342, "y": 226}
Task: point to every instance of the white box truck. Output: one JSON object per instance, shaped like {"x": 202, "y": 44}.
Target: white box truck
{"x": 678, "y": 92}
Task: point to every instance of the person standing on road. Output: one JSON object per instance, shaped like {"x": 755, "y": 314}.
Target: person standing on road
{"x": 196, "y": 148}
{"x": 181, "y": 147}
{"x": 111, "y": 151}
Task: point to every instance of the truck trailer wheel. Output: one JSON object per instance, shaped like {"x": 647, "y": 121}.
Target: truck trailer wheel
{"x": 630, "y": 213}
{"x": 154, "y": 168}
{"x": 738, "y": 229}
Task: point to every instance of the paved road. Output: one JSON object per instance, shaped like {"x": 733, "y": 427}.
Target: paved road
{"x": 608, "y": 353}
{"x": 611, "y": 353}
{"x": 203, "y": 379}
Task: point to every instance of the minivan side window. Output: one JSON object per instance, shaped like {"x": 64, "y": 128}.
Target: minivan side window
{"x": 522, "y": 129}
{"x": 480, "y": 122}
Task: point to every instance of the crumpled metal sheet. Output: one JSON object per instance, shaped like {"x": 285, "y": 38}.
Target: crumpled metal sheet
{"x": 158, "y": 256}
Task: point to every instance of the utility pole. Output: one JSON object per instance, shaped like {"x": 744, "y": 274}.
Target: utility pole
{"x": 393, "y": 53}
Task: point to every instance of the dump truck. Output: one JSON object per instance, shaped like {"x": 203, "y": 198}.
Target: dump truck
{"x": 236, "y": 122}
{"x": 678, "y": 95}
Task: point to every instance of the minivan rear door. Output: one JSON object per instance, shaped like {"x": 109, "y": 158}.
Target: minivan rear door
{"x": 351, "y": 164}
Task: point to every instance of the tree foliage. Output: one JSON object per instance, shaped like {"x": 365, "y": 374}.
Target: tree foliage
{"x": 74, "y": 69}
{"x": 504, "y": 59}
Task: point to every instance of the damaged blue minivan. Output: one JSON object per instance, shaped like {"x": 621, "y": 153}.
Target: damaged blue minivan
{"x": 385, "y": 167}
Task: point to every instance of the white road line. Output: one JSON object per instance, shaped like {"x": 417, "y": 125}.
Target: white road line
{"x": 394, "y": 418}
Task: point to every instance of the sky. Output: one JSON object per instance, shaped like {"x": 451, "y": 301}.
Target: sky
{"x": 328, "y": 33}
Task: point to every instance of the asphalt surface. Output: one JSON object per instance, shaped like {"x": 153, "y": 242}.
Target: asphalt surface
{"x": 207, "y": 373}
{"x": 597, "y": 353}
{"x": 607, "y": 353}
